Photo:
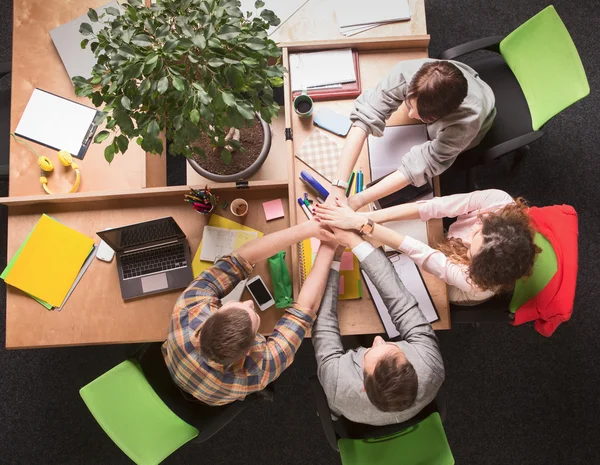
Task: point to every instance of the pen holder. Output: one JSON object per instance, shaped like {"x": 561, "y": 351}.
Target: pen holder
{"x": 202, "y": 200}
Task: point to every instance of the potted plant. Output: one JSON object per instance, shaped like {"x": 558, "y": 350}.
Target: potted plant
{"x": 200, "y": 71}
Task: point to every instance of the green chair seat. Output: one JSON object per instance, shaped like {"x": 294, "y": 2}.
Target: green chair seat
{"x": 133, "y": 415}
{"x": 422, "y": 444}
{"x": 544, "y": 268}
{"x": 543, "y": 57}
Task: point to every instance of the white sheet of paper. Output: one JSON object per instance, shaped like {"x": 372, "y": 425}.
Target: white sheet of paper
{"x": 321, "y": 68}
{"x": 217, "y": 242}
{"x": 357, "y": 12}
{"x": 385, "y": 152}
{"x": 284, "y": 9}
{"x": 236, "y": 292}
{"x": 411, "y": 278}
{"x": 56, "y": 122}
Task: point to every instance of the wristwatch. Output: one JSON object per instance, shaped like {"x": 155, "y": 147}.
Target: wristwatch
{"x": 340, "y": 183}
{"x": 367, "y": 228}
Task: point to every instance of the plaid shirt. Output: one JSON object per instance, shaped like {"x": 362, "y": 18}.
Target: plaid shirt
{"x": 209, "y": 381}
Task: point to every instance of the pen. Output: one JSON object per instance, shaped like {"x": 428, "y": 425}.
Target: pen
{"x": 308, "y": 205}
{"x": 304, "y": 209}
{"x": 350, "y": 183}
{"x": 359, "y": 181}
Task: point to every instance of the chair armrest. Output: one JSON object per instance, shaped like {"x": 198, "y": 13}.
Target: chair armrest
{"x": 5, "y": 68}
{"x": 510, "y": 146}
{"x": 324, "y": 412}
{"x": 487, "y": 43}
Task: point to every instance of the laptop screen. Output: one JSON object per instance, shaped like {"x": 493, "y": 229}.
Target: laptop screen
{"x": 139, "y": 234}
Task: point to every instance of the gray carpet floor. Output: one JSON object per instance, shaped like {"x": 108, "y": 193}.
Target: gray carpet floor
{"x": 514, "y": 397}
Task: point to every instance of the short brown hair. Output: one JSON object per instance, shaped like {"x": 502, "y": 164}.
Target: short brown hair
{"x": 227, "y": 335}
{"x": 393, "y": 385}
{"x": 439, "y": 88}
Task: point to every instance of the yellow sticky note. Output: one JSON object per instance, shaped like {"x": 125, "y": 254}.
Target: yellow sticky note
{"x": 198, "y": 266}
{"x": 50, "y": 261}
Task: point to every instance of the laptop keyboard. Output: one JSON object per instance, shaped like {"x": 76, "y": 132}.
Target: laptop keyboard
{"x": 143, "y": 234}
{"x": 153, "y": 261}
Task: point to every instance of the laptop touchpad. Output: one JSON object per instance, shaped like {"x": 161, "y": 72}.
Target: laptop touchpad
{"x": 156, "y": 282}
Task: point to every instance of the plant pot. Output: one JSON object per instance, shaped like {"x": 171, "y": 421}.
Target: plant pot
{"x": 248, "y": 172}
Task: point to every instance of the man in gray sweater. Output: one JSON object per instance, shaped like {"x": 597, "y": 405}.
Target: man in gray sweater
{"x": 457, "y": 106}
{"x": 390, "y": 382}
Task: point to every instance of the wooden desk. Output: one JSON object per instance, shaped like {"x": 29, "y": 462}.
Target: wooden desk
{"x": 36, "y": 63}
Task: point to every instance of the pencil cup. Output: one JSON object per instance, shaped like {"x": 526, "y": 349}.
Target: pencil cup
{"x": 239, "y": 207}
{"x": 303, "y": 105}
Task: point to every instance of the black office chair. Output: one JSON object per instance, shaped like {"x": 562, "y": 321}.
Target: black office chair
{"x": 495, "y": 310}
{"x": 362, "y": 436}
{"x": 535, "y": 73}
{"x": 5, "y": 70}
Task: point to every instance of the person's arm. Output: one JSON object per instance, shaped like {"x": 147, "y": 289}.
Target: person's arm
{"x": 298, "y": 318}
{"x": 391, "y": 183}
{"x": 325, "y": 335}
{"x": 355, "y": 140}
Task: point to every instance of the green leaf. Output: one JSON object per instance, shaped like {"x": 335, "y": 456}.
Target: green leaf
{"x": 133, "y": 71}
{"x": 215, "y": 62}
{"x": 84, "y": 42}
{"x": 255, "y": 43}
{"x": 270, "y": 17}
{"x": 195, "y": 116}
{"x": 199, "y": 41}
{"x": 170, "y": 45}
{"x": 125, "y": 102}
{"x": 251, "y": 62}
{"x": 153, "y": 128}
{"x": 145, "y": 86}
{"x": 226, "y": 156}
{"x": 127, "y": 35}
{"x": 259, "y": 4}
{"x": 92, "y": 15}
{"x": 228, "y": 32}
{"x": 148, "y": 68}
{"x": 229, "y": 99}
{"x": 111, "y": 10}
{"x": 100, "y": 117}
{"x": 151, "y": 59}
{"x": 178, "y": 84}
{"x": 109, "y": 153}
{"x": 124, "y": 121}
{"x": 111, "y": 124}
{"x": 246, "y": 112}
{"x": 97, "y": 99}
{"x": 86, "y": 29}
{"x": 101, "y": 137}
{"x": 122, "y": 143}
{"x": 94, "y": 46}
{"x": 158, "y": 146}
{"x": 141, "y": 40}
{"x": 163, "y": 85}
{"x": 276, "y": 81}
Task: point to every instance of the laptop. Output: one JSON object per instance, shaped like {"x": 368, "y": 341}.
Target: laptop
{"x": 152, "y": 257}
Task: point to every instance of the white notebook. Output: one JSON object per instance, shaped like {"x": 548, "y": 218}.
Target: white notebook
{"x": 321, "y": 68}
{"x": 217, "y": 242}
{"x": 357, "y": 12}
{"x": 411, "y": 277}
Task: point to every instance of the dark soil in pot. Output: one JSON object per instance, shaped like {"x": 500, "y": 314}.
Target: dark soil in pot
{"x": 251, "y": 139}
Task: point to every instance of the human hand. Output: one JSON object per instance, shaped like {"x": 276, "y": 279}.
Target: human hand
{"x": 339, "y": 216}
{"x": 345, "y": 238}
{"x": 337, "y": 194}
{"x": 320, "y": 231}
{"x": 355, "y": 201}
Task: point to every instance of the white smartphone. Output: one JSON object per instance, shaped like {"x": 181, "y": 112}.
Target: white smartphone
{"x": 259, "y": 292}
{"x": 105, "y": 253}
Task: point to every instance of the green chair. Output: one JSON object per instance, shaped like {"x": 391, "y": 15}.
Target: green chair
{"x": 140, "y": 408}
{"x": 535, "y": 74}
{"x": 419, "y": 441}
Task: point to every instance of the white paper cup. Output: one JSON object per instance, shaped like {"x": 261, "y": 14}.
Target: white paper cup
{"x": 239, "y": 207}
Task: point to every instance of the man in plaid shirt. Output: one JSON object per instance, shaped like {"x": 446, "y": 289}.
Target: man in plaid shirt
{"x": 214, "y": 352}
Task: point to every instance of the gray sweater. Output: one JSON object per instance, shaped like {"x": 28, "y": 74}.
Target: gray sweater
{"x": 449, "y": 136}
{"x": 341, "y": 373}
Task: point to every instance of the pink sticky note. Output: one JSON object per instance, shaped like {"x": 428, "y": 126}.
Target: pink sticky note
{"x": 273, "y": 209}
{"x": 315, "y": 244}
{"x": 341, "y": 285}
{"x": 347, "y": 261}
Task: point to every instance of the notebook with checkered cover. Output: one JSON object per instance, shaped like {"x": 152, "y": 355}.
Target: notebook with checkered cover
{"x": 321, "y": 154}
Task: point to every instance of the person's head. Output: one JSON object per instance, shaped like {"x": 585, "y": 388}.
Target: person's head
{"x": 435, "y": 91}
{"x": 390, "y": 380}
{"x": 227, "y": 335}
{"x": 501, "y": 252}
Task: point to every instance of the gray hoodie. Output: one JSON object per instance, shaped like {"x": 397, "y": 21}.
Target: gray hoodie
{"x": 449, "y": 136}
{"x": 341, "y": 373}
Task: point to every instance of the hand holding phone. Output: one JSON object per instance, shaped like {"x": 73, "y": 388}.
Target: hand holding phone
{"x": 260, "y": 293}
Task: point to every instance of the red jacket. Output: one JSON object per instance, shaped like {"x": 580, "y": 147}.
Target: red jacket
{"x": 554, "y": 304}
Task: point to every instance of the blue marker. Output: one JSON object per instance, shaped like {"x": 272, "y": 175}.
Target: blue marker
{"x": 305, "y": 209}
{"x": 359, "y": 181}
{"x": 316, "y": 185}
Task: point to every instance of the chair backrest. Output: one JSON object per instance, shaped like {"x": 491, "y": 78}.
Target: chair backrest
{"x": 423, "y": 443}
{"x": 544, "y": 268}
{"x": 543, "y": 57}
{"x": 133, "y": 415}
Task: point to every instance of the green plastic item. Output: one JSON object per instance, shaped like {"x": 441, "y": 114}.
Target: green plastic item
{"x": 134, "y": 417}
{"x": 422, "y": 444}
{"x": 282, "y": 283}
{"x": 544, "y": 268}
{"x": 543, "y": 57}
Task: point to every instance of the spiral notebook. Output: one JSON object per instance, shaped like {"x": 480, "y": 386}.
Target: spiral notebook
{"x": 350, "y": 280}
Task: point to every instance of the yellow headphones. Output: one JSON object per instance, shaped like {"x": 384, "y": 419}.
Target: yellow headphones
{"x": 46, "y": 165}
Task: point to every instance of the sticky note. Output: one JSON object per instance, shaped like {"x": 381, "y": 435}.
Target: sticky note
{"x": 347, "y": 261}
{"x": 341, "y": 285}
{"x": 273, "y": 209}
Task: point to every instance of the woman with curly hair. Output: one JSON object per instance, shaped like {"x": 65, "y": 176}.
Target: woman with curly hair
{"x": 486, "y": 250}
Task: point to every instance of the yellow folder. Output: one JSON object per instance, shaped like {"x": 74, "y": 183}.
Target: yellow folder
{"x": 50, "y": 261}
{"x": 198, "y": 266}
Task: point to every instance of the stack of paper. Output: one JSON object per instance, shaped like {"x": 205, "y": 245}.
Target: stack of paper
{"x": 316, "y": 70}
{"x": 217, "y": 242}
{"x": 50, "y": 262}
{"x": 356, "y": 16}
